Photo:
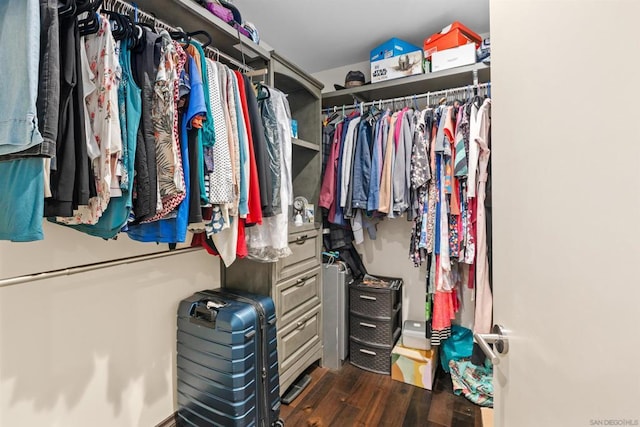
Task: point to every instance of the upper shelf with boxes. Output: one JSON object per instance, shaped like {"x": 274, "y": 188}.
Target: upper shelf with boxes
{"x": 450, "y": 58}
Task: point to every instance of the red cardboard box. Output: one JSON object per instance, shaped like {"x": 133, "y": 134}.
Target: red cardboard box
{"x": 451, "y": 36}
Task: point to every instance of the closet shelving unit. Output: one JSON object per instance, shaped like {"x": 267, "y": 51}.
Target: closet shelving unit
{"x": 190, "y": 16}
{"x": 407, "y": 86}
{"x": 295, "y": 282}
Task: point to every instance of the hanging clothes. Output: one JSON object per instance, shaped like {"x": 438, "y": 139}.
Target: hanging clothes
{"x": 115, "y": 217}
{"x": 254, "y": 204}
{"x": 145, "y": 61}
{"x": 273, "y": 144}
{"x": 402, "y": 166}
{"x": 165, "y": 123}
{"x": 221, "y": 174}
{"x": 102, "y": 122}
{"x": 329, "y": 180}
{"x": 171, "y": 179}
{"x": 22, "y": 201}
{"x": 243, "y": 148}
{"x": 48, "y": 98}
{"x": 269, "y": 241}
{"x": 432, "y": 166}
{"x": 173, "y": 229}
{"x": 483, "y": 312}
{"x": 206, "y": 135}
{"x": 71, "y": 182}
{"x": 19, "y": 124}
{"x": 143, "y": 137}
{"x": 260, "y": 149}
{"x": 194, "y": 140}
{"x": 386, "y": 183}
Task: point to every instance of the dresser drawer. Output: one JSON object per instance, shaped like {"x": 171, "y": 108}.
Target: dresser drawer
{"x": 298, "y": 337}
{"x": 305, "y": 248}
{"x": 373, "y": 330}
{"x": 297, "y": 292}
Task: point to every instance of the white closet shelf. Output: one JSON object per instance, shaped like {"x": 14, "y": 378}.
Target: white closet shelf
{"x": 408, "y": 86}
{"x": 305, "y": 144}
{"x": 190, "y": 16}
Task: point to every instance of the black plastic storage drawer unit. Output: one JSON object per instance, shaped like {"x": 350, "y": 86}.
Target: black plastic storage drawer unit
{"x": 375, "y": 318}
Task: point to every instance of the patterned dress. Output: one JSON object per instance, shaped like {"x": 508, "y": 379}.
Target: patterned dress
{"x": 164, "y": 116}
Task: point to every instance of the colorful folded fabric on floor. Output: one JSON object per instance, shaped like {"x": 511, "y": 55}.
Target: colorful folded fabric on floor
{"x": 472, "y": 381}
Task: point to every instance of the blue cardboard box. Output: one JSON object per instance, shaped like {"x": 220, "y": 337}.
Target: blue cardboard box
{"x": 393, "y": 59}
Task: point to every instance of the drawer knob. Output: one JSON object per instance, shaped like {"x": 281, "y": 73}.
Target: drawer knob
{"x": 301, "y": 281}
{"x": 367, "y": 297}
{"x": 369, "y": 352}
{"x": 368, "y": 325}
{"x": 301, "y": 239}
{"x": 301, "y": 324}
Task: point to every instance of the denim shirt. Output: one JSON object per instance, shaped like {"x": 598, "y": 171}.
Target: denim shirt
{"x": 20, "y": 51}
{"x": 362, "y": 166}
{"x": 377, "y": 157}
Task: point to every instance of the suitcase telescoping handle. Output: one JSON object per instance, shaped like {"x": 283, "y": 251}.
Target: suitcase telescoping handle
{"x": 205, "y": 311}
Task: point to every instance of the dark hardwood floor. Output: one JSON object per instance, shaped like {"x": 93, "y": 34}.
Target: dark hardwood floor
{"x": 354, "y": 397}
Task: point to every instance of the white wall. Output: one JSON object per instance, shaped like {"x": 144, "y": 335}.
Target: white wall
{"x": 388, "y": 255}
{"x": 95, "y": 348}
{"x": 336, "y": 75}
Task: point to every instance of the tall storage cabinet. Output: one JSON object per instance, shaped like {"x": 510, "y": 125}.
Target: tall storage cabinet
{"x": 295, "y": 282}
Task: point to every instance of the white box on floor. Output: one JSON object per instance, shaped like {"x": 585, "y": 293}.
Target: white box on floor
{"x": 455, "y": 57}
{"x": 414, "y": 334}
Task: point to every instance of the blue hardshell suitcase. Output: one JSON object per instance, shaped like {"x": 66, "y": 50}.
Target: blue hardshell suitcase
{"x": 227, "y": 360}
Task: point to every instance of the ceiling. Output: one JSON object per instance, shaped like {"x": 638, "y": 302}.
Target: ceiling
{"x": 319, "y": 35}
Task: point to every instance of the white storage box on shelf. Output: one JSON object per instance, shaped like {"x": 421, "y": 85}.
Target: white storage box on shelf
{"x": 452, "y": 58}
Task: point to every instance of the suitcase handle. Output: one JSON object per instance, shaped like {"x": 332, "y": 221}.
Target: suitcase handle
{"x": 205, "y": 311}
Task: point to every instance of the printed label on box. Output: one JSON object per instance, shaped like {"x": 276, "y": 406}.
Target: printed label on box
{"x": 398, "y": 66}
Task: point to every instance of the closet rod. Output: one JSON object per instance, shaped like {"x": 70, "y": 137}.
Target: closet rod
{"x": 90, "y": 267}
{"x": 121, "y": 6}
{"x": 408, "y": 98}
